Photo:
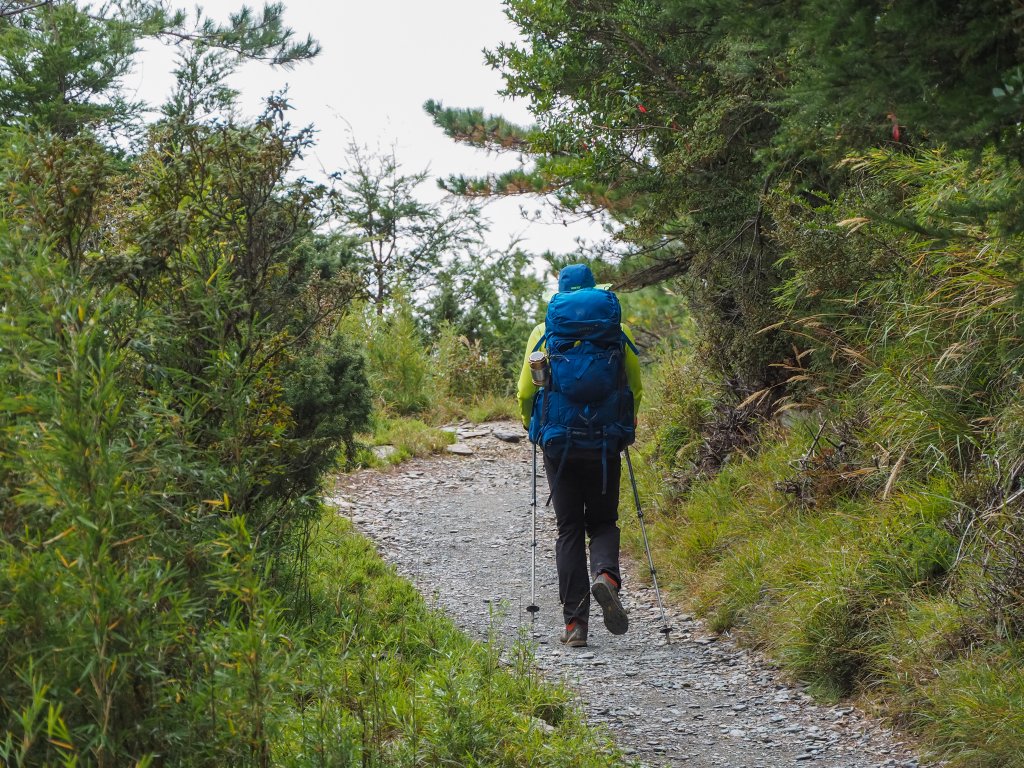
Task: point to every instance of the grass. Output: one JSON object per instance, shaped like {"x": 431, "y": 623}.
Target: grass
{"x": 492, "y": 408}
{"x": 417, "y": 436}
{"x": 389, "y": 681}
{"x": 976, "y": 704}
{"x": 410, "y": 437}
{"x": 856, "y": 596}
{"x": 486, "y": 407}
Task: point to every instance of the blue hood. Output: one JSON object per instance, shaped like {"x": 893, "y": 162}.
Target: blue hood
{"x": 574, "y": 277}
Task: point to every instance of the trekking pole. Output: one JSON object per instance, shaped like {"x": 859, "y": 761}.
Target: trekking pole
{"x": 533, "y": 608}
{"x": 665, "y": 629}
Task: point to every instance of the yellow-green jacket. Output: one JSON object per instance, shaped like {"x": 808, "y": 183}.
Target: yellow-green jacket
{"x": 527, "y": 389}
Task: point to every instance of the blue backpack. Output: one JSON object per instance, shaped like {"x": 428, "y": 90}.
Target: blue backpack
{"x": 587, "y": 405}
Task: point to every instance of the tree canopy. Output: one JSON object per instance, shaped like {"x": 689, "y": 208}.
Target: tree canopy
{"x": 685, "y": 120}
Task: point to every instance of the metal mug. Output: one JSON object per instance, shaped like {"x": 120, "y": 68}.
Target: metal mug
{"x": 539, "y": 371}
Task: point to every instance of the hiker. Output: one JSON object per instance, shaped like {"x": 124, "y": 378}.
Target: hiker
{"x": 583, "y": 417}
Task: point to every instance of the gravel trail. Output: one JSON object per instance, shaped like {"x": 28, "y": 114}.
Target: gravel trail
{"x": 459, "y": 526}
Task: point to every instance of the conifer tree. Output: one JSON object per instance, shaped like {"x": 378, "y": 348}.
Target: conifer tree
{"x": 398, "y": 242}
{"x": 61, "y": 63}
{"x": 684, "y": 119}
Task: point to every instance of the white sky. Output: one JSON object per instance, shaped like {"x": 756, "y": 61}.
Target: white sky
{"x": 380, "y": 61}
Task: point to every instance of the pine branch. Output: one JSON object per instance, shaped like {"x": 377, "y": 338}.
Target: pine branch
{"x": 248, "y": 35}
{"x": 516, "y": 182}
{"x": 471, "y": 126}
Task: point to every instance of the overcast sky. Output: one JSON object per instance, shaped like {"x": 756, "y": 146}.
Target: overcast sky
{"x": 380, "y": 61}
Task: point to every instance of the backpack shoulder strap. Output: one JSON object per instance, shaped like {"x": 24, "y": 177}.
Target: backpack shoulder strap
{"x": 544, "y": 337}
{"x": 626, "y": 340}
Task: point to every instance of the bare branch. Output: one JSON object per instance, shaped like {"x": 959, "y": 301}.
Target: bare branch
{"x": 7, "y": 11}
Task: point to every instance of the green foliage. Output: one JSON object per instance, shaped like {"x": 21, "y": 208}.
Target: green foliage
{"x": 398, "y": 365}
{"x": 410, "y": 438}
{"x": 945, "y": 73}
{"x": 61, "y": 64}
{"x": 465, "y": 349}
{"x": 399, "y": 242}
{"x": 59, "y": 188}
{"x": 449, "y": 315}
{"x": 468, "y": 371}
{"x": 471, "y": 126}
{"x": 390, "y": 682}
{"x": 657, "y": 318}
{"x": 173, "y": 392}
{"x": 493, "y": 299}
{"x": 495, "y": 133}
{"x": 329, "y": 401}
{"x": 123, "y": 546}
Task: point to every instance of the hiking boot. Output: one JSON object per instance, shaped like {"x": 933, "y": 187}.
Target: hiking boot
{"x": 574, "y": 635}
{"x": 605, "y": 590}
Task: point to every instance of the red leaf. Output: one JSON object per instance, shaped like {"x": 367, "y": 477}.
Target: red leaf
{"x": 642, "y": 108}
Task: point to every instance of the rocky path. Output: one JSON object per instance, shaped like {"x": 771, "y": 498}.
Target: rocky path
{"x": 459, "y": 527}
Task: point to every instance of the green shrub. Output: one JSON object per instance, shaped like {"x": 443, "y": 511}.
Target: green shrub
{"x": 464, "y": 369}
{"x": 398, "y": 364}
{"x": 329, "y": 400}
{"x": 165, "y": 422}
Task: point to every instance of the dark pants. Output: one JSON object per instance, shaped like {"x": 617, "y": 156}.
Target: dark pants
{"x": 582, "y": 510}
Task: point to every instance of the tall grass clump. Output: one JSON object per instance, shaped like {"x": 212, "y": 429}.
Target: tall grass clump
{"x": 867, "y": 536}
{"x": 406, "y": 437}
{"x": 397, "y": 357}
{"x": 466, "y": 371}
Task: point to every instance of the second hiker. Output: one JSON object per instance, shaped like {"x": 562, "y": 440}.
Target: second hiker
{"x": 583, "y": 416}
